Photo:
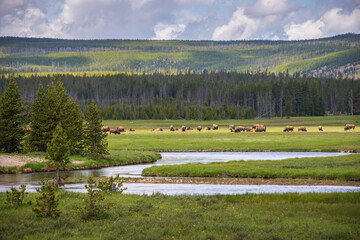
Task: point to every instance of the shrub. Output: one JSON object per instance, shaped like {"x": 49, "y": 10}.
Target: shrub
{"x": 15, "y": 197}
{"x": 46, "y": 203}
{"x": 93, "y": 207}
{"x": 114, "y": 184}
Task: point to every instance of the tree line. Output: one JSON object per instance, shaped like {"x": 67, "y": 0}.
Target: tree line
{"x": 51, "y": 123}
{"x": 203, "y": 96}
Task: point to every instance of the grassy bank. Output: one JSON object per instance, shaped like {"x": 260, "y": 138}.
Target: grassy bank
{"x": 243, "y": 181}
{"x": 342, "y": 167}
{"x": 249, "y": 216}
{"x": 332, "y": 139}
{"x": 80, "y": 162}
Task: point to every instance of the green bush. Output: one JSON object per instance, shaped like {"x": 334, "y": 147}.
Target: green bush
{"x": 15, "y": 198}
{"x": 46, "y": 203}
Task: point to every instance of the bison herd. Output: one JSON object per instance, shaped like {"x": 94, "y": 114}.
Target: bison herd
{"x": 232, "y": 128}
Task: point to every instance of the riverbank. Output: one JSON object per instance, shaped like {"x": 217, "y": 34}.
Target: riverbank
{"x": 248, "y": 216}
{"x": 343, "y": 168}
{"x": 36, "y": 162}
{"x": 242, "y": 181}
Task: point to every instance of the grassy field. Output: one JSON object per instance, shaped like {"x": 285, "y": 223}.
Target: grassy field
{"x": 114, "y": 159}
{"x": 342, "y": 168}
{"x": 333, "y": 138}
{"x": 249, "y": 216}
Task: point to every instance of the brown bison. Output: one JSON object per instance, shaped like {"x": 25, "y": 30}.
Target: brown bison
{"x": 349, "y": 126}
{"x": 260, "y": 129}
{"x": 105, "y": 129}
{"x": 288, "y": 129}
{"x": 183, "y": 128}
{"x": 231, "y": 127}
{"x": 215, "y": 127}
{"x": 199, "y": 128}
{"x": 132, "y": 130}
{"x": 207, "y": 128}
{"x": 121, "y": 129}
{"x": 249, "y": 129}
{"x": 189, "y": 128}
{"x": 240, "y": 129}
{"x": 172, "y": 129}
{"x": 254, "y": 126}
{"x": 157, "y": 130}
{"x": 320, "y": 128}
{"x": 302, "y": 128}
{"x": 114, "y": 131}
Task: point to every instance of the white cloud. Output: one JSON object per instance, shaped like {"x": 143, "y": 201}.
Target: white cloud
{"x": 336, "y": 23}
{"x": 306, "y": 30}
{"x": 167, "y": 32}
{"x": 239, "y": 27}
{"x": 331, "y": 23}
{"x": 270, "y": 7}
{"x": 28, "y": 23}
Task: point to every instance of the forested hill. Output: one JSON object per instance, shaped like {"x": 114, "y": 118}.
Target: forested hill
{"x": 339, "y": 55}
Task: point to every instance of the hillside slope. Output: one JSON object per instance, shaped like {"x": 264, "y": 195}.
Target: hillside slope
{"x": 321, "y": 57}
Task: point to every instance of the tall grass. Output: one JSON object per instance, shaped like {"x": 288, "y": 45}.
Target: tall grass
{"x": 249, "y": 216}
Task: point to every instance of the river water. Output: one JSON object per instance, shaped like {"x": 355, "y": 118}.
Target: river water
{"x": 6, "y": 180}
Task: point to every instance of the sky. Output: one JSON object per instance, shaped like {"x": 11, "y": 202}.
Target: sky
{"x": 179, "y": 19}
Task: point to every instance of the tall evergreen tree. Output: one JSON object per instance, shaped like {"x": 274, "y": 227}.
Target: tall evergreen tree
{"x": 11, "y": 124}
{"x": 95, "y": 140}
{"x": 72, "y": 122}
{"x": 39, "y": 121}
{"x": 58, "y": 151}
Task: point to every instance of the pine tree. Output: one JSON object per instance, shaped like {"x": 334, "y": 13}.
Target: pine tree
{"x": 72, "y": 123}
{"x": 58, "y": 151}
{"x": 11, "y": 109}
{"x": 38, "y": 121}
{"x": 95, "y": 140}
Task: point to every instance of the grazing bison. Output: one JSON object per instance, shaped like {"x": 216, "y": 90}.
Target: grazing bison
{"x": 320, "y": 128}
{"x": 132, "y": 130}
{"x": 207, "y": 128}
{"x": 199, "y": 128}
{"x": 288, "y": 129}
{"x": 240, "y": 129}
{"x": 105, "y": 129}
{"x": 260, "y": 129}
{"x": 349, "y": 126}
{"x": 157, "y": 130}
{"x": 172, "y": 128}
{"x": 302, "y": 128}
{"x": 231, "y": 127}
{"x": 121, "y": 129}
{"x": 189, "y": 128}
{"x": 255, "y": 126}
{"x": 249, "y": 129}
{"x": 215, "y": 127}
{"x": 183, "y": 128}
{"x": 114, "y": 131}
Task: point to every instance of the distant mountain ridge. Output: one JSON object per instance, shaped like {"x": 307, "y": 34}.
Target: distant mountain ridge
{"x": 337, "y": 56}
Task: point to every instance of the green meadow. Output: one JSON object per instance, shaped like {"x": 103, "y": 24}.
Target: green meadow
{"x": 332, "y": 139}
{"x": 249, "y": 216}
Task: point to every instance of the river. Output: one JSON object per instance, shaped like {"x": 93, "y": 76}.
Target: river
{"x": 31, "y": 180}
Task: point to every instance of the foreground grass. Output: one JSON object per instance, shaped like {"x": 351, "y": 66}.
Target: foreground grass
{"x": 249, "y": 216}
{"x": 81, "y": 162}
{"x": 342, "y": 167}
